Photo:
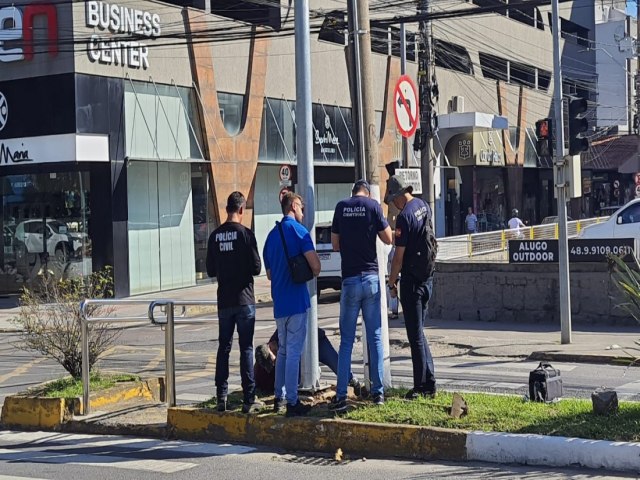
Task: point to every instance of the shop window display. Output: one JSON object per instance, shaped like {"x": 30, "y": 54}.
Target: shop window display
{"x": 45, "y": 227}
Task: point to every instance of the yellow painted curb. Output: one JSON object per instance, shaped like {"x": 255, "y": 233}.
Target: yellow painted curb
{"x": 23, "y": 411}
{"x": 324, "y": 435}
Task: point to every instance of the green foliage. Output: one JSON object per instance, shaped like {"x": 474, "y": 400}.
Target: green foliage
{"x": 70, "y": 387}
{"x": 627, "y": 280}
{"x": 50, "y": 319}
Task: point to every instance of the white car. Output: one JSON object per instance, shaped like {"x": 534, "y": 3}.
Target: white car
{"x": 31, "y": 234}
{"x": 623, "y": 223}
{"x": 330, "y": 273}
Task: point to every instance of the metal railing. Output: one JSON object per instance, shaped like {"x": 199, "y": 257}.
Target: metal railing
{"x": 492, "y": 246}
{"x": 167, "y": 321}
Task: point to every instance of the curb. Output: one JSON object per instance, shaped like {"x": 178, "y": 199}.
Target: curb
{"x": 319, "y": 435}
{"x": 579, "y": 358}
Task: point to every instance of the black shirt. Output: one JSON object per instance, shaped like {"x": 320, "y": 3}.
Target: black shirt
{"x": 408, "y": 226}
{"x": 232, "y": 257}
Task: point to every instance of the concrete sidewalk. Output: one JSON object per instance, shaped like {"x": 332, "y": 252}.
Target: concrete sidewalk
{"x": 599, "y": 344}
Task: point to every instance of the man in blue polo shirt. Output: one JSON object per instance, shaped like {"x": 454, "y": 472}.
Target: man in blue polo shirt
{"x": 357, "y": 222}
{"x": 290, "y": 300}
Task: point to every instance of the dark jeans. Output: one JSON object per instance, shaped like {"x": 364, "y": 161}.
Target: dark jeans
{"x": 245, "y": 318}
{"x": 414, "y": 298}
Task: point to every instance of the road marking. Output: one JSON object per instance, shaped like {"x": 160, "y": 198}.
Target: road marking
{"x": 108, "y": 451}
{"x": 21, "y": 369}
{"x": 11, "y": 477}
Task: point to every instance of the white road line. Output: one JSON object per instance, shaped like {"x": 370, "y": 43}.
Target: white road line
{"x": 11, "y": 477}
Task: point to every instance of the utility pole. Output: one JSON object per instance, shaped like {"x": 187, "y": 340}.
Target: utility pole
{"x": 637, "y": 77}
{"x": 362, "y": 37}
{"x": 428, "y": 124}
{"x": 352, "y": 13}
{"x": 561, "y": 169}
{"x": 310, "y": 375}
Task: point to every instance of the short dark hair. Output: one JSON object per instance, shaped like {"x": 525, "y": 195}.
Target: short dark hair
{"x": 263, "y": 358}
{"x": 359, "y": 186}
{"x": 235, "y": 202}
{"x": 287, "y": 201}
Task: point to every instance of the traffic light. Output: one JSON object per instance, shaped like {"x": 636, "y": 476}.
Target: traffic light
{"x": 544, "y": 134}
{"x": 577, "y": 125}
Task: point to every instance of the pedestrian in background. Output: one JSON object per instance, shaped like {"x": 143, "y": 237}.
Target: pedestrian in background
{"x": 471, "y": 221}
{"x": 515, "y": 224}
{"x": 358, "y": 222}
{"x": 290, "y": 300}
{"x": 415, "y": 258}
{"x": 232, "y": 257}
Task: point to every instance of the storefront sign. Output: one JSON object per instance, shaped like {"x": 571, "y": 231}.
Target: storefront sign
{"x": 16, "y": 27}
{"x": 54, "y": 149}
{"x": 119, "y": 19}
{"x": 533, "y": 251}
{"x": 475, "y": 148}
{"x": 328, "y": 142}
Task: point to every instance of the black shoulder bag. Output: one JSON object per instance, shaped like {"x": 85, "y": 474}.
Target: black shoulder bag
{"x": 298, "y": 265}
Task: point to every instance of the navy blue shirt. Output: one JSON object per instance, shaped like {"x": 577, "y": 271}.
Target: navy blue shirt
{"x": 288, "y": 298}
{"x": 408, "y": 226}
{"x": 358, "y": 220}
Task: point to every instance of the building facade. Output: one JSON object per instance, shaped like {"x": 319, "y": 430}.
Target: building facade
{"x": 124, "y": 126}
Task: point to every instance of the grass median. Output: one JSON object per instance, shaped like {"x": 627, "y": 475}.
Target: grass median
{"x": 69, "y": 387}
{"x": 491, "y": 413}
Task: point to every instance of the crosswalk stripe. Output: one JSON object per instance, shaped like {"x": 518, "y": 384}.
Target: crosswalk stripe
{"x": 11, "y": 477}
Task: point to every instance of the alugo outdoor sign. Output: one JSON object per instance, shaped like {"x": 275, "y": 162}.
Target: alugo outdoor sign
{"x": 580, "y": 250}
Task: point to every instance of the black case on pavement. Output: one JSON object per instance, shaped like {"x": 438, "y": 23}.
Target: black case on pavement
{"x": 545, "y": 384}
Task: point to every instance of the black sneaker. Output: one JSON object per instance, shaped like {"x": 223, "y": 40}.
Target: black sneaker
{"x": 378, "y": 399}
{"x": 252, "y": 407}
{"x": 222, "y": 404}
{"x": 413, "y": 394}
{"x": 297, "y": 410}
{"x": 279, "y": 405}
{"x": 338, "y": 405}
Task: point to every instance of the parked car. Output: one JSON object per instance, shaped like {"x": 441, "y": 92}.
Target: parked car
{"x": 623, "y": 223}
{"x": 59, "y": 240}
{"x": 330, "y": 273}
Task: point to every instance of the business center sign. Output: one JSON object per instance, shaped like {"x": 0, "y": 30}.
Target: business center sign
{"x": 120, "y": 20}
{"x": 16, "y": 31}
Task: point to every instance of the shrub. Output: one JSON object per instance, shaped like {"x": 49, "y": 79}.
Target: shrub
{"x": 50, "y": 319}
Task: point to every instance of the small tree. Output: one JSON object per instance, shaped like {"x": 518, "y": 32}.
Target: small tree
{"x": 50, "y": 319}
{"x": 627, "y": 280}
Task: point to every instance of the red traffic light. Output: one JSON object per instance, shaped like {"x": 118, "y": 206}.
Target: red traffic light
{"x": 543, "y": 128}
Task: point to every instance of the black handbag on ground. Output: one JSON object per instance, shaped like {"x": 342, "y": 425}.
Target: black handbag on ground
{"x": 298, "y": 265}
{"x": 545, "y": 384}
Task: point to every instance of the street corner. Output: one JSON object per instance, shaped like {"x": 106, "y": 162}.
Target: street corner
{"x": 318, "y": 434}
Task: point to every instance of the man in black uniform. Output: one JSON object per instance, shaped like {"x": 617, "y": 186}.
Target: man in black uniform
{"x": 232, "y": 257}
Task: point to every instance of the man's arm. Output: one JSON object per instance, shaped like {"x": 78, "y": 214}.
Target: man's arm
{"x": 314, "y": 262}
{"x": 396, "y": 265}
{"x": 256, "y": 264}
{"x": 211, "y": 261}
{"x": 335, "y": 241}
{"x": 385, "y": 235}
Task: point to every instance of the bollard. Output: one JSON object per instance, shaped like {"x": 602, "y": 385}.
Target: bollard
{"x": 84, "y": 325}
{"x": 169, "y": 357}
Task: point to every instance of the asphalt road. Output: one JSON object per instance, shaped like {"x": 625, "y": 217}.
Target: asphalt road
{"x": 58, "y": 456}
{"x": 140, "y": 349}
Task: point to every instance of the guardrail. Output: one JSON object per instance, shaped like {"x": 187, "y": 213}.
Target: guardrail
{"x": 495, "y": 244}
{"x": 167, "y": 321}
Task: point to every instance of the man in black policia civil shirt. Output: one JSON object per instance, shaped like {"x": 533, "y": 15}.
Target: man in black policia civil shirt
{"x": 415, "y": 285}
{"x": 232, "y": 257}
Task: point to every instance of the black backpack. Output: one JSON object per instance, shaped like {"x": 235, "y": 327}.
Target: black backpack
{"x": 423, "y": 261}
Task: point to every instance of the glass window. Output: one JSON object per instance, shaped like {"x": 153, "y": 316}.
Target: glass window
{"x": 45, "y": 226}
{"x": 231, "y": 106}
{"x": 332, "y": 29}
{"x": 631, "y": 214}
{"x": 493, "y": 67}
{"x": 452, "y": 57}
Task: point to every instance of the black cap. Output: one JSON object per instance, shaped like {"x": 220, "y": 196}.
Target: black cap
{"x": 360, "y": 184}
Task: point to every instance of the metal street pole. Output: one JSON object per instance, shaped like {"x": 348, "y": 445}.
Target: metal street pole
{"x": 403, "y": 71}
{"x": 352, "y": 12}
{"x": 310, "y": 371}
{"x": 427, "y": 124}
{"x": 361, "y": 28}
{"x": 560, "y": 167}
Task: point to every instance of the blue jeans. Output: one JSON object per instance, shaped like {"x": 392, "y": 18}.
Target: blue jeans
{"x": 292, "y": 332}
{"x": 360, "y": 293}
{"x": 244, "y": 317}
{"x": 414, "y": 298}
